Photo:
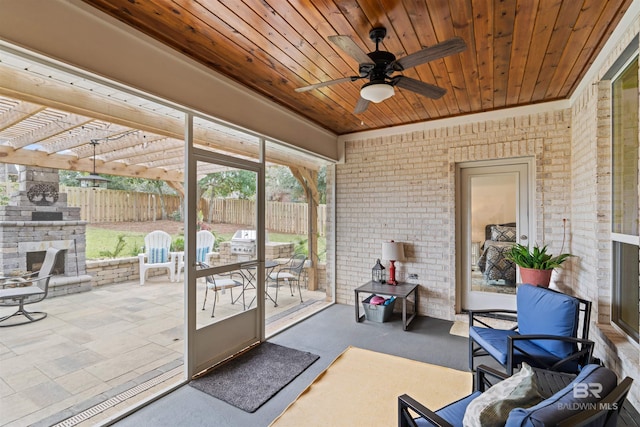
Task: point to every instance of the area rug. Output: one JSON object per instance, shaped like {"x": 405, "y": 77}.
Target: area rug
{"x": 361, "y": 388}
{"x": 251, "y": 379}
{"x": 460, "y": 329}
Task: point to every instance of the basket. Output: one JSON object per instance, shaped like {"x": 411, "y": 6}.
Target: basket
{"x": 377, "y": 313}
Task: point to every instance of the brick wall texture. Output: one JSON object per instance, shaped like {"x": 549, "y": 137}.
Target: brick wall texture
{"x": 402, "y": 187}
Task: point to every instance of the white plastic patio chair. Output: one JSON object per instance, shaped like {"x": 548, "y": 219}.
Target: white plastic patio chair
{"x": 204, "y": 249}
{"x": 157, "y": 254}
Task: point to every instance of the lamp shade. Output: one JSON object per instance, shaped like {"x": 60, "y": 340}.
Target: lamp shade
{"x": 393, "y": 251}
{"x": 376, "y": 92}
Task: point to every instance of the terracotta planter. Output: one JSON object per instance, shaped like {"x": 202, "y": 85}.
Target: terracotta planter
{"x": 536, "y": 277}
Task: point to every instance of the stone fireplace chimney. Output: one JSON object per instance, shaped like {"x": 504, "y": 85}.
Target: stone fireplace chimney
{"x": 36, "y": 218}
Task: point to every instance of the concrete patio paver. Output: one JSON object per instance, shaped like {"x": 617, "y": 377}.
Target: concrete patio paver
{"x": 97, "y": 344}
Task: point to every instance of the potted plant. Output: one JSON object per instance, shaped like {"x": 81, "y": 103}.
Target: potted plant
{"x": 536, "y": 265}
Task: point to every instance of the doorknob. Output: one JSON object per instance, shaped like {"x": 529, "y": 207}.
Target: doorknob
{"x": 523, "y": 237}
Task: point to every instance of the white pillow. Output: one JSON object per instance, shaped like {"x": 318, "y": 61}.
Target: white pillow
{"x": 492, "y": 407}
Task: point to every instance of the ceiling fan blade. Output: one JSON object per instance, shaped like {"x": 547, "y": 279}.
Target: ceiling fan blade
{"x": 361, "y": 106}
{"x": 347, "y": 44}
{"x": 422, "y": 88}
{"x": 330, "y": 82}
{"x": 440, "y": 50}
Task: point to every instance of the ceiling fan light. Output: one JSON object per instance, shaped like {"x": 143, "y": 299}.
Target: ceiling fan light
{"x": 376, "y": 92}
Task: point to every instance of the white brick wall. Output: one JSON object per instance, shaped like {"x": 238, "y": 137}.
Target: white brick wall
{"x": 591, "y": 218}
{"x": 402, "y": 187}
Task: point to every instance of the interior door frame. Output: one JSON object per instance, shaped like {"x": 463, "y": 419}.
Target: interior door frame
{"x": 216, "y": 342}
{"x": 463, "y": 241}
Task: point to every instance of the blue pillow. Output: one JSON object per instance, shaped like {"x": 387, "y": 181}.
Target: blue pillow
{"x": 158, "y": 255}
{"x": 201, "y": 254}
{"x": 597, "y": 382}
{"x": 543, "y": 311}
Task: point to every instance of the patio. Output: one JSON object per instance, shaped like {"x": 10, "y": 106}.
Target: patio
{"x": 117, "y": 342}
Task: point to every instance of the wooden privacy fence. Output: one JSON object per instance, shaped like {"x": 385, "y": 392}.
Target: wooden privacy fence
{"x": 280, "y": 217}
{"x": 102, "y": 205}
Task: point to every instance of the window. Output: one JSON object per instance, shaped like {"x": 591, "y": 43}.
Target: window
{"x": 624, "y": 227}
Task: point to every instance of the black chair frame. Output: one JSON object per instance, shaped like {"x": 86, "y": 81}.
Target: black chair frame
{"x": 30, "y": 288}
{"x": 582, "y": 356}
{"x": 291, "y": 271}
{"x": 549, "y": 383}
{"x": 210, "y": 279}
{"x": 484, "y": 378}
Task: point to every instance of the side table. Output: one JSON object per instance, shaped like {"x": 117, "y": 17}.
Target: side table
{"x": 401, "y": 291}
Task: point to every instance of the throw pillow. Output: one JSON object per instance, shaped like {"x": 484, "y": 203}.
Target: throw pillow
{"x": 498, "y": 266}
{"x": 492, "y": 407}
{"x": 501, "y": 233}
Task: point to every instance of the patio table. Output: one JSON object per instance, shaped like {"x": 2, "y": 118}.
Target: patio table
{"x": 401, "y": 291}
{"x": 250, "y": 275}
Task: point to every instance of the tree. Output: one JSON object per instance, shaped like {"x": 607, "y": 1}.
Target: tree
{"x": 280, "y": 182}
{"x": 238, "y": 184}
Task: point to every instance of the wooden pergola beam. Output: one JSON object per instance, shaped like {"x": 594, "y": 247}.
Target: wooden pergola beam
{"x": 21, "y": 111}
{"x": 70, "y": 162}
{"x": 23, "y": 86}
{"x": 308, "y": 179}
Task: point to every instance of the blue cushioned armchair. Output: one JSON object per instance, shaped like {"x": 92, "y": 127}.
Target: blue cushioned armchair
{"x": 561, "y": 406}
{"x": 552, "y": 332}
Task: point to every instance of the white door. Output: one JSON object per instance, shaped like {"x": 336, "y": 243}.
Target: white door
{"x": 493, "y": 212}
{"x": 236, "y": 326}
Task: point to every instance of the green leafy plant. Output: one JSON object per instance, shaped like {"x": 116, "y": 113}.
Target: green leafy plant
{"x": 536, "y": 258}
{"x": 300, "y": 246}
{"x": 120, "y": 244}
{"x": 178, "y": 244}
{"x": 137, "y": 247}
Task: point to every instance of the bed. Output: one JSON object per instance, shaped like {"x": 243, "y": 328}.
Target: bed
{"x": 495, "y": 267}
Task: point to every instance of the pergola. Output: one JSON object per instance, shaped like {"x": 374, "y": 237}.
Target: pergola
{"x": 48, "y": 118}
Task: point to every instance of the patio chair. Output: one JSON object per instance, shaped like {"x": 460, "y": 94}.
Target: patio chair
{"x": 222, "y": 282}
{"x": 27, "y": 289}
{"x": 548, "y": 334}
{"x": 591, "y": 398}
{"x": 290, "y": 273}
{"x": 157, "y": 254}
{"x": 204, "y": 249}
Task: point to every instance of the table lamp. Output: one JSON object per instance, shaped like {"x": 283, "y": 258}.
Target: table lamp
{"x": 392, "y": 251}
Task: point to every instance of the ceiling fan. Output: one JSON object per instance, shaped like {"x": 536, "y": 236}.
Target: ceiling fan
{"x": 379, "y": 66}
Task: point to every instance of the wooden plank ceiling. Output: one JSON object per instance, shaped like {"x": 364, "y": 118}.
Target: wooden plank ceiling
{"x": 518, "y": 52}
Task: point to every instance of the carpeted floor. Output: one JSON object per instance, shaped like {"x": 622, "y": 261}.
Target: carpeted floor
{"x": 360, "y": 388}
{"x": 250, "y": 380}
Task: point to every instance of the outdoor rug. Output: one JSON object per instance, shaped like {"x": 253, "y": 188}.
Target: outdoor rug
{"x": 361, "y": 388}
{"x": 251, "y": 379}
{"x": 460, "y": 329}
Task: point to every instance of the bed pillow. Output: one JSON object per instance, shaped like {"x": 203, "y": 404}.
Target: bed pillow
{"x": 492, "y": 407}
{"x": 503, "y": 233}
{"x": 497, "y": 265}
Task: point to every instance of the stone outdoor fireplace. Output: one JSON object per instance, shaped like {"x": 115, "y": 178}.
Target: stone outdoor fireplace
{"x": 36, "y": 218}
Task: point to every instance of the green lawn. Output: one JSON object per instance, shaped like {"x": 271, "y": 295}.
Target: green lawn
{"x": 100, "y": 241}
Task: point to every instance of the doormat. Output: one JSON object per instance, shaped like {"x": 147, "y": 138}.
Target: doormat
{"x": 251, "y": 379}
{"x": 460, "y": 329}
